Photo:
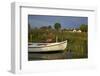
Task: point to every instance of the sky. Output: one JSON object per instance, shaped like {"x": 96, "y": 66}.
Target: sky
{"x": 65, "y": 21}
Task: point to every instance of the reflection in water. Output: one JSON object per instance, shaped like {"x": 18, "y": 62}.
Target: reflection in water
{"x": 51, "y": 55}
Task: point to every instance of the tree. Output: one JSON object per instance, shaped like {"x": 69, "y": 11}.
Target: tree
{"x": 57, "y": 26}
{"x": 84, "y": 27}
{"x": 29, "y": 33}
{"x": 44, "y": 27}
{"x": 49, "y": 27}
{"x": 29, "y": 27}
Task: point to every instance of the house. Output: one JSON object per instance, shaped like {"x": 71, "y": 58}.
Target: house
{"x": 74, "y": 30}
{"x": 79, "y": 31}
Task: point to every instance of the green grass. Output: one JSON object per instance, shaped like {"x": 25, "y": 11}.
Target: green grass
{"x": 77, "y": 43}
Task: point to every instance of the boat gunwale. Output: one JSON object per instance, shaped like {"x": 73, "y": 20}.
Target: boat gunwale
{"x": 49, "y": 45}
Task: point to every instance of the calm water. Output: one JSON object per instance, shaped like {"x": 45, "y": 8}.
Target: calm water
{"x": 52, "y": 55}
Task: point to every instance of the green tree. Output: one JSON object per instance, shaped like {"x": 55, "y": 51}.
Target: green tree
{"x": 29, "y": 32}
{"x": 44, "y": 27}
{"x": 84, "y": 27}
{"x": 49, "y": 27}
{"x": 29, "y": 27}
{"x": 57, "y": 26}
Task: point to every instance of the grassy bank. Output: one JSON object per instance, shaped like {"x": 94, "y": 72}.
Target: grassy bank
{"x": 77, "y": 42}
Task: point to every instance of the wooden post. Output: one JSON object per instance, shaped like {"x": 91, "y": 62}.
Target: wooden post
{"x": 56, "y": 38}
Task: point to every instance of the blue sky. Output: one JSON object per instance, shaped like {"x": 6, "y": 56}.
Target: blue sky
{"x": 65, "y": 21}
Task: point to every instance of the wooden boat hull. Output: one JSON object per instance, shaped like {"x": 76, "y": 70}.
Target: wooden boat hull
{"x": 43, "y": 47}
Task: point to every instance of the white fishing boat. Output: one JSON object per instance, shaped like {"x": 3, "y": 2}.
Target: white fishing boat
{"x": 43, "y": 47}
